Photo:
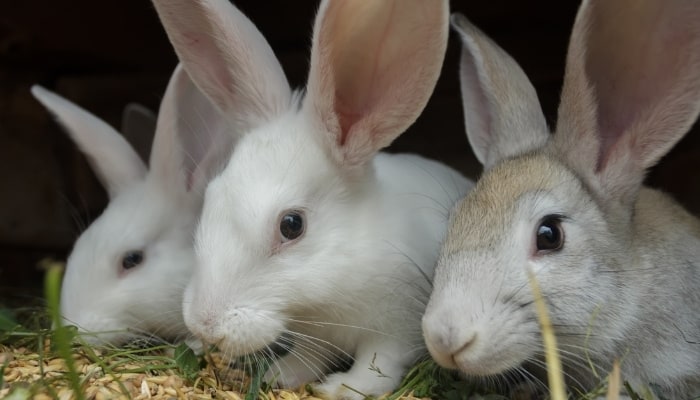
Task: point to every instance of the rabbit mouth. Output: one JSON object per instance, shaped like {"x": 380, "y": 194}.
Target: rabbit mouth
{"x": 496, "y": 362}
{"x": 280, "y": 347}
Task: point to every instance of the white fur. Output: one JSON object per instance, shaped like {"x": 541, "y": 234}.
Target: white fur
{"x": 626, "y": 283}
{"x": 153, "y": 211}
{"x": 355, "y": 284}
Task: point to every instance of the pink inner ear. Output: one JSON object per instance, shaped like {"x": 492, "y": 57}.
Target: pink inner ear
{"x": 637, "y": 60}
{"x": 346, "y": 118}
{"x": 374, "y": 65}
{"x": 628, "y": 95}
{"x": 228, "y": 58}
{"x": 357, "y": 69}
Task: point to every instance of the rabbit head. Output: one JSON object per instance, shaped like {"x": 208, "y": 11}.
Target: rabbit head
{"x": 618, "y": 264}
{"x": 127, "y": 271}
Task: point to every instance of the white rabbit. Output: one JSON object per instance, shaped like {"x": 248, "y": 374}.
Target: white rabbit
{"x": 308, "y": 241}
{"x": 618, "y": 263}
{"x": 126, "y": 273}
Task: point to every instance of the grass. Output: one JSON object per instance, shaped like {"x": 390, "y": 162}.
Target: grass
{"x": 62, "y": 336}
{"x": 58, "y": 364}
{"x": 128, "y": 372}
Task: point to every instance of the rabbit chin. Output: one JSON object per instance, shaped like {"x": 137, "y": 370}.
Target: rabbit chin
{"x": 101, "y": 331}
{"x": 496, "y": 362}
{"x": 243, "y": 342}
{"x": 233, "y": 350}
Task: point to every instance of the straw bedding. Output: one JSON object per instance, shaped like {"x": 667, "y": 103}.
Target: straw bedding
{"x": 31, "y": 375}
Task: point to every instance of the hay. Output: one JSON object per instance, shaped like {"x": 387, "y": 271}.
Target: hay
{"x": 28, "y": 374}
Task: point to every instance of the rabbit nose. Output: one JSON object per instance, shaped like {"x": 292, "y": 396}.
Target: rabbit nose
{"x": 446, "y": 340}
{"x": 209, "y": 328}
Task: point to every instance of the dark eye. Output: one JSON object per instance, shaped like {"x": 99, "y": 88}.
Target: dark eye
{"x": 132, "y": 259}
{"x": 550, "y": 235}
{"x": 291, "y": 225}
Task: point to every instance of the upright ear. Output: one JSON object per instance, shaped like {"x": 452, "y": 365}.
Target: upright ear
{"x": 192, "y": 138}
{"x": 227, "y": 58}
{"x": 502, "y": 114}
{"x": 138, "y": 127}
{"x": 115, "y": 163}
{"x": 631, "y": 90}
{"x": 374, "y": 64}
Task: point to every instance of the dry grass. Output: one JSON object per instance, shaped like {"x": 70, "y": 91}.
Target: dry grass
{"x": 29, "y": 374}
{"x": 137, "y": 374}
{"x": 549, "y": 339}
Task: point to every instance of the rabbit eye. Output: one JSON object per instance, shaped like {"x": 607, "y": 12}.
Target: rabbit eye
{"x": 291, "y": 225}
{"x": 132, "y": 259}
{"x": 550, "y": 235}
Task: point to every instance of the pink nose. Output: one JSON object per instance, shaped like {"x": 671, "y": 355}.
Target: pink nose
{"x": 445, "y": 339}
{"x": 207, "y": 327}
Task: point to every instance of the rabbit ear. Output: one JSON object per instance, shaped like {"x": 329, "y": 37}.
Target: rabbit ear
{"x": 115, "y": 163}
{"x": 502, "y": 114}
{"x": 631, "y": 90}
{"x": 227, "y": 58}
{"x": 138, "y": 127}
{"x": 191, "y": 137}
{"x": 374, "y": 64}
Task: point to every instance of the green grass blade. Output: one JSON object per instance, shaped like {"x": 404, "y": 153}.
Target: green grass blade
{"x": 187, "y": 361}
{"x": 257, "y": 374}
{"x": 62, "y": 336}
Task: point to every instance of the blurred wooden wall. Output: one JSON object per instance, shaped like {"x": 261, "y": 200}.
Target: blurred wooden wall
{"x": 104, "y": 54}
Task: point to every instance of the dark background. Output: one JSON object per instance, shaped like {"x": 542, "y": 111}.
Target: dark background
{"x": 104, "y": 54}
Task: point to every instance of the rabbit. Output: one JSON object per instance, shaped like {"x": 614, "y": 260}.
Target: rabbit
{"x": 618, "y": 263}
{"x": 312, "y": 243}
{"x": 127, "y": 271}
